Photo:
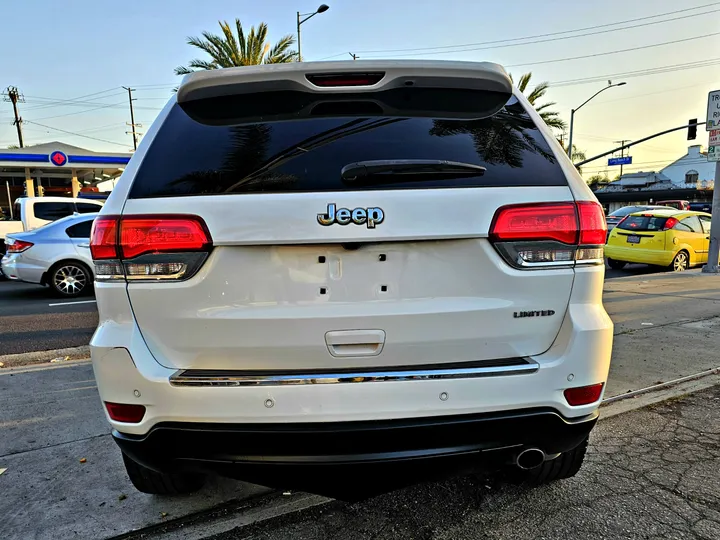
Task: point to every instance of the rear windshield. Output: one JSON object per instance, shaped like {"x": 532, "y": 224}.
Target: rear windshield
{"x": 643, "y": 223}
{"x": 205, "y": 148}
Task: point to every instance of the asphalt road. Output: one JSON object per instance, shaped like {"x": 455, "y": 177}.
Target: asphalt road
{"x": 32, "y": 319}
{"x": 651, "y": 474}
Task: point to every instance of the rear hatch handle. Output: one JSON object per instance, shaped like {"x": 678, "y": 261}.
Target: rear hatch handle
{"x": 342, "y": 343}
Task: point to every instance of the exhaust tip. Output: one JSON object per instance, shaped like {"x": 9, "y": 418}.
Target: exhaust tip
{"x": 530, "y": 458}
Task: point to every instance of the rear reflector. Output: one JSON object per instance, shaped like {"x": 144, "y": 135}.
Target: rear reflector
{"x": 17, "y": 246}
{"x": 345, "y": 79}
{"x": 584, "y": 395}
{"x": 124, "y": 412}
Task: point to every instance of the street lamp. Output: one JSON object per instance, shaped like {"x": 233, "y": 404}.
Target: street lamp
{"x": 573, "y": 111}
{"x": 322, "y": 9}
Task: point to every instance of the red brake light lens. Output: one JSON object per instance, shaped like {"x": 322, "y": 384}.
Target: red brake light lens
{"x": 17, "y": 246}
{"x": 670, "y": 223}
{"x": 103, "y": 238}
{"x": 555, "y": 221}
{"x": 345, "y": 79}
{"x": 162, "y": 234}
{"x": 124, "y": 412}
{"x": 593, "y": 228}
{"x": 584, "y": 395}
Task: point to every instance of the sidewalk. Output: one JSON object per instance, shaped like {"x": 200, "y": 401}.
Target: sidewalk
{"x": 653, "y": 474}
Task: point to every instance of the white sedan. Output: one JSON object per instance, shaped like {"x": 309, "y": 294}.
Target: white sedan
{"x": 56, "y": 255}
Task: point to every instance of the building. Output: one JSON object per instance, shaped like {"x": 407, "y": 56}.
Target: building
{"x": 55, "y": 168}
{"x": 692, "y": 170}
{"x": 690, "y": 178}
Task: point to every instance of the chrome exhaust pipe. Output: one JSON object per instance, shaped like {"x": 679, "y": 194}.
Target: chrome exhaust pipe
{"x": 530, "y": 458}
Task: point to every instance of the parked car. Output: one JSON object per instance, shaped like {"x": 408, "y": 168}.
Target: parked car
{"x": 56, "y": 255}
{"x": 701, "y": 207}
{"x": 313, "y": 271}
{"x": 613, "y": 218}
{"x": 32, "y": 212}
{"x": 677, "y": 239}
{"x": 678, "y": 204}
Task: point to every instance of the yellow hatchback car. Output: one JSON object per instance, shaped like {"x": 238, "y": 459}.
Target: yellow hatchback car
{"x": 678, "y": 239}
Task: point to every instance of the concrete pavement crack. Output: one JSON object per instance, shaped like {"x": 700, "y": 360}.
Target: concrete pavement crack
{"x": 20, "y": 452}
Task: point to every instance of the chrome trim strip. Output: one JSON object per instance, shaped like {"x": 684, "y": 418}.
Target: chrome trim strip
{"x": 179, "y": 378}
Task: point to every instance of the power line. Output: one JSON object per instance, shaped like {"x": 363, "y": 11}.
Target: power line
{"x": 615, "y": 52}
{"x": 82, "y": 112}
{"x": 472, "y": 47}
{"x": 74, "y": 133}
{"x": 594, "y": 27}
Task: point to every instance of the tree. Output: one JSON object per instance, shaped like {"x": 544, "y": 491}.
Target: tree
{"x": 13, "y": 147}
{"x": 551, "y": 118}
{"x": 230, "y": 50}
{"x": 596, "y": 180}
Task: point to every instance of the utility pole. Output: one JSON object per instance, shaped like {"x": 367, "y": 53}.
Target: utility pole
{"x": 622, "y": 150}
{"x": 712, "y": 266}
{"x": 354, "y": 56}
{"x": 14, "y": 96}
{"x": 132, "y": 117}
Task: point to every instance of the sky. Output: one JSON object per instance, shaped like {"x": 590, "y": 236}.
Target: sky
{"x": 71, "y": 59}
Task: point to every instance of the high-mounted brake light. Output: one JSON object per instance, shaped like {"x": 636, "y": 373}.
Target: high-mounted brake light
{"x": 13, "y": 245}
{"x": 158, "y": 247}
{"x": 345, "y": 79}
{"x": 550, "y": 234}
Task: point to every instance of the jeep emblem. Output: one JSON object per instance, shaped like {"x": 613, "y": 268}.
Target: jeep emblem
{"x": 343, "y": 216}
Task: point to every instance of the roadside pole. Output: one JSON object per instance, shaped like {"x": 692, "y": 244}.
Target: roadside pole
{"x": 712, "y": 125}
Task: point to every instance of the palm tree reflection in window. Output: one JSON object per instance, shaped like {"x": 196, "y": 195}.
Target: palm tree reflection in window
{"x": 501, "y": 139}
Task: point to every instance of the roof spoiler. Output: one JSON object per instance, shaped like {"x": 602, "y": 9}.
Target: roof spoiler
{"x": 361, "y": 88}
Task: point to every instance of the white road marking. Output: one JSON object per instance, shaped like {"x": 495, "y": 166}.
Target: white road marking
{"x": 72, "y": 303}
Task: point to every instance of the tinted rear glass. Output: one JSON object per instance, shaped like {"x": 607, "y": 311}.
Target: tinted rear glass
{"x": 223, "y": 155}
{"x": 643, "y": 223}
{"x": 53, "y": 210}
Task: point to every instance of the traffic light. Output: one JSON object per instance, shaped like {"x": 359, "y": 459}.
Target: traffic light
{"x": 41, "y": 191}
{"x": 692, "y": 129}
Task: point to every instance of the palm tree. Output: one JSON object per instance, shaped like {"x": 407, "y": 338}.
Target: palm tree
{"x": 229, "y": 50}
{"x": 551, "y": 118}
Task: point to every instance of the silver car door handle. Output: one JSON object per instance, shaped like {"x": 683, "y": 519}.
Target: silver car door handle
{"x": 83, "y": 245}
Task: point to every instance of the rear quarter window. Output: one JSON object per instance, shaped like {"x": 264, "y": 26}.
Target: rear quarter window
{"x": 192, "y": 156}
{"x": 51, "y": 211}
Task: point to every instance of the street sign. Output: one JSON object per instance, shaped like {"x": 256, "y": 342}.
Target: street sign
{"x": 713, "y": 153}
{"x": 713, "y": 112}
{"x": 626, "y": 160}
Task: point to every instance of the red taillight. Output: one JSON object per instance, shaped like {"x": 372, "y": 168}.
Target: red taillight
{"x": 549, "y": 234}
{"x": 584, "y": 395}
{"x": 593, "y": 228}
{"x": 17, "y": 246}
{"x": 670, "y": 223}
{"x": 345, "y": 79}
{"x": 162, "y": 234}
{"x": 556, "y": 221}
{"x": 124, "y": 412}
{"x": 103, "y": 238}
{"x": 147, "y": 234}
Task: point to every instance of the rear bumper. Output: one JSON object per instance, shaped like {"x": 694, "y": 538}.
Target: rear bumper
{"x": 281, "y": 455}
{"x": 637, "y": 255}
{"x": 13, "y": 267}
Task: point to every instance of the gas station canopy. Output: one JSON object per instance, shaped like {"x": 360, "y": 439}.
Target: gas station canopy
{"x": 55, "y": 168}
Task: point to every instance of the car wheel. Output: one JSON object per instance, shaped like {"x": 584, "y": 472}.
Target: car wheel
{"x": 70, "y": 279}
{"x": 616, "y": 265}
{"x": 681, "y": 262}
{"x": 566, "y": 465}
{"x": 155, "y": 483}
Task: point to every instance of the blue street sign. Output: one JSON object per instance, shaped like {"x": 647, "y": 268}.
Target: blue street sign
{"x": 627, "y": 160}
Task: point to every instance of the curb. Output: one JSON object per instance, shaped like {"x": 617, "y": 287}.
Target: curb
{"x": 40, "y": 357}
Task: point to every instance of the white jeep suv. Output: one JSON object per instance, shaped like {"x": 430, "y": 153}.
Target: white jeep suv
{"x": 360, "y": 272}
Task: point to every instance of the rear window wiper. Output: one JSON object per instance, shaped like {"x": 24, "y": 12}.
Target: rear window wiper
{"x": 393, "y": 167}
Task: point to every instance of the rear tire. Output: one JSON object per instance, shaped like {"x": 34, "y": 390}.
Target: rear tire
{"x": 616, "y": 265}
{"x": 566, "y": 465}
{"x": 70, "y": 279}
{"x": 681, "y": 262}
{"x": 155, "y": 483}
